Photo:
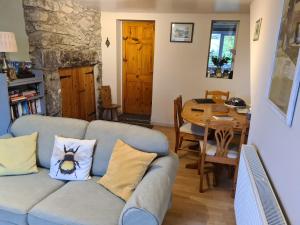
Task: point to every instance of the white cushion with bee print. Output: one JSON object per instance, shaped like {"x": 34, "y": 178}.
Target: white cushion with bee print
{"x": 71, "y": 159}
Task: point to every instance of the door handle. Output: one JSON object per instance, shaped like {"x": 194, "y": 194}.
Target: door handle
{"x": 124, "y": 60}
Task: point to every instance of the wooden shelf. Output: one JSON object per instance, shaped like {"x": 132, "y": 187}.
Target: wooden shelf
{"x": 25, "y": 81}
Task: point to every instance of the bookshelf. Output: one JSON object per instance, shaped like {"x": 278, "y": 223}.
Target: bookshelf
{"x": 11, "y": 109}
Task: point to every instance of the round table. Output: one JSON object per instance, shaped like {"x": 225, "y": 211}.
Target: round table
{"x": 209, "y": 110}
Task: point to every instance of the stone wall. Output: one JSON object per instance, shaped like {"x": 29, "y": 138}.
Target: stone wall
{"x": 62, "y": 33}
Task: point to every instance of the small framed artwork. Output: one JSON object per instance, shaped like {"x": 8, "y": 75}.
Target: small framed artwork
{"x": 182, "y": 32}
{"x": 257, "y": 30}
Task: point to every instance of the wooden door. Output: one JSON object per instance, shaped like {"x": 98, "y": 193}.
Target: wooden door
{"x": 138, "y": 54}
{"x": 78, "y": 93}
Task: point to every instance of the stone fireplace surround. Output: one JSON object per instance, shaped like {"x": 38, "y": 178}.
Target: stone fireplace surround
{"x": 62, "y": 33}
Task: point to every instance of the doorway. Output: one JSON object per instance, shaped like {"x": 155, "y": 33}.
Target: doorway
{"x": 138, "y": 58}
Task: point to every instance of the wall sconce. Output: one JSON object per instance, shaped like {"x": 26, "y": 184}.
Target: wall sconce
{"x": 107, "y": 42}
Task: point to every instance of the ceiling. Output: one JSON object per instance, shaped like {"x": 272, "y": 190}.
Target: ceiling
{"x": 171, "y": 6}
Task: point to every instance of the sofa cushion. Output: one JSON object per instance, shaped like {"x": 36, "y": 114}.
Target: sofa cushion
{"x": 48, "y": 127}
{"x": 18, "y": 155}
{"x": 107, "y": 133}
{"x": 18, "y": 194}
{"x": 71, "y": 159}
{"x": 126, "y": 169}
{"x": 77, "y": 203}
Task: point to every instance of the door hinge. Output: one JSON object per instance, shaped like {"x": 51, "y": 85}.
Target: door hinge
{"x": 64, "y": 77}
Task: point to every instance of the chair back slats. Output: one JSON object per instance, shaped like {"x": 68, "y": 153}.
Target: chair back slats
{"x": 223, "y": 135}
{"x": 105, "y": 93}
{"x": 217, "y": 96}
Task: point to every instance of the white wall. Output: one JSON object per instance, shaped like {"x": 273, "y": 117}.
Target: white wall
{"x": 277, "y": 143}
{"x": 12, "y": 20}
{"x": 178, "y": 68}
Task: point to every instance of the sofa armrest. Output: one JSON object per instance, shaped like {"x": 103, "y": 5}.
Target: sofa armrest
{"x": 5, "y": 136}
{"x": 151, "y": 199}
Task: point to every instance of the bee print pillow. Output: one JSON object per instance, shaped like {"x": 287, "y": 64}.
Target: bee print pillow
{"x": 71, "y": 158}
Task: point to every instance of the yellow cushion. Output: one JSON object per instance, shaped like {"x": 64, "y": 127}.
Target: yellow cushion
{"x": 18, "y": 155}
{"x": 126, "y": 169}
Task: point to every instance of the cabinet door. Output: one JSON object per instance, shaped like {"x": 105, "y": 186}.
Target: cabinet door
{"x": 78, "y": 93}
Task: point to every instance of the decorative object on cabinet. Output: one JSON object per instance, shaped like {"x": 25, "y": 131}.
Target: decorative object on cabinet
{"x": 7, "y": 44}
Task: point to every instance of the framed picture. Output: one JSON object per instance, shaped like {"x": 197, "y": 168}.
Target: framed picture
{"x": 182, "y": 32}
{"x": 284, "y": 82}
{"x": 257, "y": 30}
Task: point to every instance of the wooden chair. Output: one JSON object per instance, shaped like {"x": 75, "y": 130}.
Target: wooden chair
{"x": 219, "y": 151}
{"x": 105, "y": 93}
{"x": 217, "y": 96}
{"x": 185, "y": 131}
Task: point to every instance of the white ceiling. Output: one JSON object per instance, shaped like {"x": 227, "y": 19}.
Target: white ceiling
{"x": 171, "y": 6}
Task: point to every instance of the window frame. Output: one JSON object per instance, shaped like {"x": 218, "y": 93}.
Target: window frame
{"x": 222, "y": 42}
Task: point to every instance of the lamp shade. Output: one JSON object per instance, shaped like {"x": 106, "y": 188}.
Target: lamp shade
{"x": 8, "y": 42}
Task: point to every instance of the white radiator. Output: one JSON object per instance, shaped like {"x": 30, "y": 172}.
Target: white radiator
{"x": 255, "y": 202}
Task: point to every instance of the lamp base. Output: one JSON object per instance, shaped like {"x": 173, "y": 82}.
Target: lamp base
{"x": 3, "y": 65}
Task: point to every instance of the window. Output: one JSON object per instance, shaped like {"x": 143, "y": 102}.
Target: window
{"x": 222, "y": 49}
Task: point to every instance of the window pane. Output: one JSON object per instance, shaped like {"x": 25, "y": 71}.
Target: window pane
{"x": 214, "y": 47}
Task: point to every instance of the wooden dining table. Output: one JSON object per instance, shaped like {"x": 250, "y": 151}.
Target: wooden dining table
{"x": 199, "y": 113}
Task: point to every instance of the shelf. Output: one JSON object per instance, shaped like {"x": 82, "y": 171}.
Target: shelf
{"x": 25, "y": 81}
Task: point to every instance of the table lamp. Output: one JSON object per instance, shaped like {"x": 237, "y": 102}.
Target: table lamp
{"x": 7, "y": 44}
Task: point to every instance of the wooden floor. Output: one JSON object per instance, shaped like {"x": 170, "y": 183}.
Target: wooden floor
{"x": 213, "y": 207}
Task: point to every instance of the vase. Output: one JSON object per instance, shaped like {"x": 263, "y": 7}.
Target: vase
{"x": 219, "y": 72}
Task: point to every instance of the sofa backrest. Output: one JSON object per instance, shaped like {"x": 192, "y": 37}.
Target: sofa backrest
{"x": 107, "y": 133}
{"x": 47, "y": 128}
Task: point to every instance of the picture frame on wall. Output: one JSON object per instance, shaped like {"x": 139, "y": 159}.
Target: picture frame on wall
{"x": 182, "y": 32}
{"x": 257, "y": 29}
{"x": 284, "y": 83}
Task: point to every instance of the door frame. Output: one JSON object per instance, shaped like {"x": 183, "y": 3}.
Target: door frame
{"x": 121, "y": 48}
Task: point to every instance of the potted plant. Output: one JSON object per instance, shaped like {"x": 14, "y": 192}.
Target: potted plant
{"x": 219, "y": 62}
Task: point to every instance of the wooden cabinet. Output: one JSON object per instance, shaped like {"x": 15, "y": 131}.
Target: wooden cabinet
{"x": 78, "y": 93}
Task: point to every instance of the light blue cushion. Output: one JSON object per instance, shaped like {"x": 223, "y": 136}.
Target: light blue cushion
{"x": 151, "y": 199}
{"x": 107, "y": 133}
{"x": 47, "y": 128}
{"x": 5, "y": 136}
{"x": 77, "y": 203}
{"x": 18, "y": 194}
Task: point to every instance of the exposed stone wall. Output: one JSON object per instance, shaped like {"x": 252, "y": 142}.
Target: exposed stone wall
{"x": 62, "y": 33}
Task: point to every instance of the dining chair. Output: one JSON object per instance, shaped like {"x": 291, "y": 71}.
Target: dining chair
{"x": 187, "y": 132}
{"x": 217, "y": 96}
{"x": 220, "y": 150}
{"x": 105, "y": 93}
